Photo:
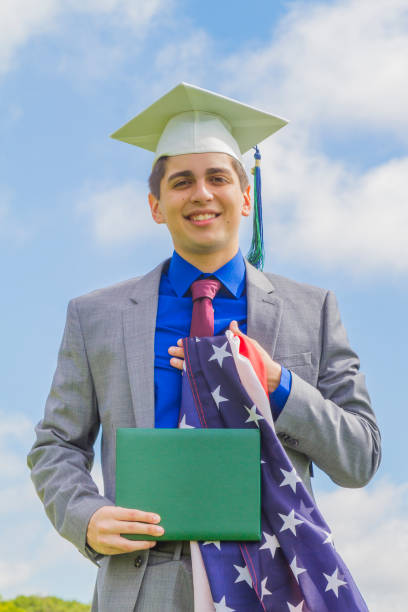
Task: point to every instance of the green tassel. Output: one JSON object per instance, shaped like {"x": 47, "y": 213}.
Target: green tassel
{"x": 256, "y": 253}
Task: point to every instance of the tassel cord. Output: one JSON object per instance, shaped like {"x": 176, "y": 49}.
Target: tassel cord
{"x": 256, "y": 254}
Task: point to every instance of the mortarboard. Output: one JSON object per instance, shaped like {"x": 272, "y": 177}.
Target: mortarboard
{"x": 189, "y": 119}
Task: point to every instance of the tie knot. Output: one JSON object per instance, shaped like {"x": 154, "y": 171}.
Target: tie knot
{"x": 205, "y": 287}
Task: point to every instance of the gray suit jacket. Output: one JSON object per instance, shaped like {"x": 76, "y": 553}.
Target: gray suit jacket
{"x": 104, "y": 378}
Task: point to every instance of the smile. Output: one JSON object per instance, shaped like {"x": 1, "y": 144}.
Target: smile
{"x": 202, "y": 218}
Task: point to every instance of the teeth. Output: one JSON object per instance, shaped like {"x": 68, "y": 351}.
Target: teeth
{"x": 203, "y": 217}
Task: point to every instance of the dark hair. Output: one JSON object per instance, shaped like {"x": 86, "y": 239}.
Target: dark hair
{"x": 159, "y": 169}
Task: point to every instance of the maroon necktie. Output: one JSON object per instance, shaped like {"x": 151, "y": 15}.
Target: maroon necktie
{"x": 202, "y": 319}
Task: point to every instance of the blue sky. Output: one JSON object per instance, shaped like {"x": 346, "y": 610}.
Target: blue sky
{"x": 74, "y": 217}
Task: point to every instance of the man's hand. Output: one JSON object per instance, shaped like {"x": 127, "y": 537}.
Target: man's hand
{"x": 177, "y": 352}
{"x": 273, "y": 369}
{"x": 109, "y": 522}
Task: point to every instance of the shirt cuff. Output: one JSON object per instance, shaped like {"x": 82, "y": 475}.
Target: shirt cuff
{"x": 279, "y": 397}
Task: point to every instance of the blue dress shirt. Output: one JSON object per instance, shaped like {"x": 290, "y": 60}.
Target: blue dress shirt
{"x": 173, "y": 322}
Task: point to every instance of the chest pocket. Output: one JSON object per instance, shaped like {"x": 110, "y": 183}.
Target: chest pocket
{"x": 301, "y": 363}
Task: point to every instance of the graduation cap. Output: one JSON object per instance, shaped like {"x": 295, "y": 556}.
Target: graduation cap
{"x": 189, "y": 119}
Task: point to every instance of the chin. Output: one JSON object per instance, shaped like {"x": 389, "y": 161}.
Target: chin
{"x": 213, "y": 247}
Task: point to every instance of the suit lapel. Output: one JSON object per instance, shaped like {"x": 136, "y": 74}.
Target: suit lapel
{"x": 264, "y": 310}
{"x": 139, "y": 325}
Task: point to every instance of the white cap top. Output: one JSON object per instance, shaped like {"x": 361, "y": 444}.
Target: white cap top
{"x": 197, "y": 132}
{"x": 189, "y": 119}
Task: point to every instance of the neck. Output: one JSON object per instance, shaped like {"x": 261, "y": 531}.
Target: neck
{"x": 208, "y": 262}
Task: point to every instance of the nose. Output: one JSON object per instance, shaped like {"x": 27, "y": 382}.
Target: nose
{"x": 202, "y": 192}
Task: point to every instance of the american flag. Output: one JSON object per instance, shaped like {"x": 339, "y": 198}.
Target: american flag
{"x": 295, "y": 567}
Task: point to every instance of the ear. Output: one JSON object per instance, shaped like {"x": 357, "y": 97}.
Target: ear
{"x": 155, "y": 209}
{"x": 246, "y": 206}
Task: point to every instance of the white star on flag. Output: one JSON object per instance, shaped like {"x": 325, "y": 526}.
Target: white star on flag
{"x": 329, "y": 538}
{"x": 219, "y": 354}
{"x": 217, "y": 397}
{"x": 290, "y": 522}
{"x": 271, "y": 543}
{"x": 264, "y": 590}
{"x": 253, "y": 416}
{"x": 333, "y": 582}
{"x": 295, "y": 569}
{"x": 243, "y": 575}
{"x": 291, "y": 479}
{"x": 221, "y": 606}
{"x": 216, "y": 544}
{"x": 183, "y": 424}
{"x": 298, "y": 608}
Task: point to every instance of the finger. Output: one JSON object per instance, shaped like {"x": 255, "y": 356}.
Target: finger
{"x": 116, "y": 545}
{"x": 125, "y": 545}
{"x": 180, "y": 342}
{"x": 132, "y": 514}
{"x": 177, "y": 363}
{"x": 134, "y": 527}
{"x": 176, "y": 351}
{"x": 234, "y": 328}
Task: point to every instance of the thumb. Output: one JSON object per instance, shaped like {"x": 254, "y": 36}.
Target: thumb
{"x": 235, "y": 329}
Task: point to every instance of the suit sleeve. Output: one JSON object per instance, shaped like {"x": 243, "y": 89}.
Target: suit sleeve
{"x": 62, "y": 455}
{"x": 333, "y": 423}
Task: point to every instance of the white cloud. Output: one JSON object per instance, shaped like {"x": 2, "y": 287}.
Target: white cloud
{"x": 119, "y": 213}
{"x": 91, "y": 57}
{"x": 331, "y": 67}
{"x": 370, "y": 528}
{"x": 13, "y": 573}
{"x": 321, "y": 212}
{"x": 18, "y": 429}
{"x": 21, "y": 20}
{"x": 184, "y": 60}
{"x": 50, "y": 564}
{"x": 16, "y": 493}
{"x": 334, "y": 68}
{"x": 341, "y": 62}
{"x": 109, "y": 37}
{"x": 12, "y": 425}
{"x": 138, "y": 12}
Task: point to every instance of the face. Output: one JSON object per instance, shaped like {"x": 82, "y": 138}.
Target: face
{"x": 202, "y": 204}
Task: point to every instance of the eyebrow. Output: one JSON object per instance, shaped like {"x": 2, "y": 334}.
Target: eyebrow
{"x": 189, "y": 174}
{"x": 221, "y": 170}
{"x": 182, "y": 173}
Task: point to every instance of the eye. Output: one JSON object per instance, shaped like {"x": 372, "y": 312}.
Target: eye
{"x": 218, "y": 180}
{"x": 181, "y": 184}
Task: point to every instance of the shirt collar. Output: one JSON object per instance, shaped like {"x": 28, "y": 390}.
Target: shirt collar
{"x": 181, "y": 274}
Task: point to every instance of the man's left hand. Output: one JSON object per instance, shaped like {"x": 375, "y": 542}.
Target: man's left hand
{"x": 273, "y": 369}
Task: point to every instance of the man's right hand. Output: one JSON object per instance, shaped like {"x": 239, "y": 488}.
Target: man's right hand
{"x": 107, "y": 523}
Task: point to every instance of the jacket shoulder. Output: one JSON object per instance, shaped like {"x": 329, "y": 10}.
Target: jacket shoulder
{"x": 120, "y": 293}
{"x": 289, "y": 288}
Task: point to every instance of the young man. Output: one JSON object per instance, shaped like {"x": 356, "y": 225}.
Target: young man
{"x": 120, "y": 359}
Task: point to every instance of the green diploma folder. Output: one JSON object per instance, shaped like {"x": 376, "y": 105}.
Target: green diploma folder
{"x": 204, "y": 483}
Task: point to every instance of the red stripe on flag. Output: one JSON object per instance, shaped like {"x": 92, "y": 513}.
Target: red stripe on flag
{"x": 248, "y": 350}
